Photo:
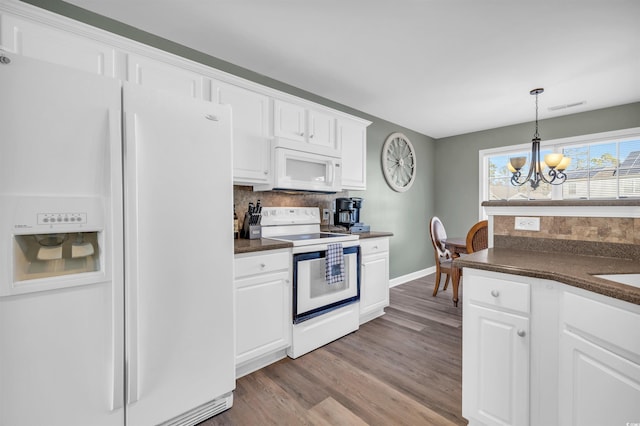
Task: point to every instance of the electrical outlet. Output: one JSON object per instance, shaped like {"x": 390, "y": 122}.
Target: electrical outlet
{"x": 326, "y": 215}
{"x": 527, "y": 223}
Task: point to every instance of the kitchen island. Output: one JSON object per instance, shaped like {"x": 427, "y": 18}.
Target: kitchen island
{"x": 546, "y": 341}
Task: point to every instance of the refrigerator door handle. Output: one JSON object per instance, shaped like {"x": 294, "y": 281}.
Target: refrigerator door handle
{"x": 117, "y": 332}
{"x": 131, "y": 256}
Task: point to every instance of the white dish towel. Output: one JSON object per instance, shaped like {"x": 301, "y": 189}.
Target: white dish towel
{"x": 335, "y": 263}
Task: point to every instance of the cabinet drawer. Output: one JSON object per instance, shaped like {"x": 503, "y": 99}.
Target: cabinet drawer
{"x": 374, "y": 245}
{"x": 262, "y": 263}
{"x": 510, "y": 295}
{"x": 606, "y": 323}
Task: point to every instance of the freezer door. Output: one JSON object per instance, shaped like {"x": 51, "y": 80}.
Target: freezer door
{"x": 179, "y": 253}
{"x": 61, "y": 337}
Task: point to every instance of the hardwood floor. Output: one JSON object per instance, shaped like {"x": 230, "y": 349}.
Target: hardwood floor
{"x": 403, "y": 368}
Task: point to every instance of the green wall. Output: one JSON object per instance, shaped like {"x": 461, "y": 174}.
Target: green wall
{"x": 456, "y": 171}
{"x": 405, "y": 214}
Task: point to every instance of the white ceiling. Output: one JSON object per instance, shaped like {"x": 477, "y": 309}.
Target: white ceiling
{"x": 440, "y": 68}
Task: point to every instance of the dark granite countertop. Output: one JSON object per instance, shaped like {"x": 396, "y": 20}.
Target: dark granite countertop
{"x": 573, "y": 270}
{"x": 249, "y": 246}
{"x": 373, "y": 234}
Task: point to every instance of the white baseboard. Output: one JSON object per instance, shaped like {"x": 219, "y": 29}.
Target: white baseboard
{"x": 412, "y": 276}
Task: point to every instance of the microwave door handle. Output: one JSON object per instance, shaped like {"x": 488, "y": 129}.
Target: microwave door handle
{"x": 332, "y": 171}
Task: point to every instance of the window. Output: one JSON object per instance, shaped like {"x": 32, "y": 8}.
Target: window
{"x": 603, "y": 166}
{"x": 603, "y": 170}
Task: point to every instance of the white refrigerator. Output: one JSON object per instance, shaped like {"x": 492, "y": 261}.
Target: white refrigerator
{"x": 116, "y": 252}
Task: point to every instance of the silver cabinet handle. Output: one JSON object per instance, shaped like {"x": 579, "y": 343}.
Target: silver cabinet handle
{"x": 301, "y": 133}
{"x": 495, "y": 293}
{"x": 521, "y": 333}
{"x": 375, "y": 247}
{"x": 211, "y": 117}
{"x": 262, "y": 266}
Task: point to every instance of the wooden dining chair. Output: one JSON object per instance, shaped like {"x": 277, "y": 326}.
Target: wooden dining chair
{"x": 442, "y": 255}
{"x": 478, "y": 236}
{"x": 477, "y": 239}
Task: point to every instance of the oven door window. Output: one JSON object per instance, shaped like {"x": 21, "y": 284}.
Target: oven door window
{"x": 312, "y": 294}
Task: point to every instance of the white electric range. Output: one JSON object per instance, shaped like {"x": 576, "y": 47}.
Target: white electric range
{"x": 322, "y": 312}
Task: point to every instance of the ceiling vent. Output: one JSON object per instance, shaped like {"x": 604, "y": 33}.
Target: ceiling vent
{"x": 565, "y": 106}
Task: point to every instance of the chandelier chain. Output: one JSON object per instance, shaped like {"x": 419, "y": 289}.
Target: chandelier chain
{"x": 536, "y": 135}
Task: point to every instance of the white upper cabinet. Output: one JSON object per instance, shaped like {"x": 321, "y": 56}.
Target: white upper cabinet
{"x": 263, "y": 118}
{"x": 251, "y": 144}
{"x": 163, "y": 76}
{"x": 312, "y": 130}
{"x": 321, "y": 128}
{"x": 56, "y": 46}
{"x": 289, "y": 121}
{"x": 352, "y": 137}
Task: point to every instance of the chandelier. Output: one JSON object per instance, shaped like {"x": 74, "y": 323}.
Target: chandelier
{"x": 556, "y": 162}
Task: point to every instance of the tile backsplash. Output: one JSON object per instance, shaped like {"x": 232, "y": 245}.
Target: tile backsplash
{"x": 593, "y": 229}
{"x": 243, "y": 195}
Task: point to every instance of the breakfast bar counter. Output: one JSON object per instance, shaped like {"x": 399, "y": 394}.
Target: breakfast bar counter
{"x": 573, "y": 270}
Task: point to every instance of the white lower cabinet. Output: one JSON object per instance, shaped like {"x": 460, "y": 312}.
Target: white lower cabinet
{"x": 374, "y": 278}
{"x": 538, "y": 352}
{"x": 262, "y": 290}
{"x": 495, "y": 364}
{"x": 599, "y": 362}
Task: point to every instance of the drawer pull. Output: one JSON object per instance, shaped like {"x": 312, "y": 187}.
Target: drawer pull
{"x": 375, "y": 247}
{"x": 521, "y": 333}
{"x": 495, "y": 293}
{"x": 262, "y": 266}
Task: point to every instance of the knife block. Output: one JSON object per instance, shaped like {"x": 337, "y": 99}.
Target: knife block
{"x": 251, "y": 228}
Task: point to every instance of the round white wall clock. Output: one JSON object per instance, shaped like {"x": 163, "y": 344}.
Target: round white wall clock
{"x": 399, "y": 162}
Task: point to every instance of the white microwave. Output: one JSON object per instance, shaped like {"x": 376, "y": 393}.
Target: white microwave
{"x": 305, "y": 171}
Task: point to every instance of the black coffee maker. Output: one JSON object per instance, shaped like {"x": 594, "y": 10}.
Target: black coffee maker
{"x": 348, "y": 214}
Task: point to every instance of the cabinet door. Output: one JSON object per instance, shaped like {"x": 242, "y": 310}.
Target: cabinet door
{"x": 251, "y": 148}
{"x": 374, "y": 291}
{"x": 322, "y": 130}
{"x": 159, "y": 75}
{"x": 353, "y": 142}
{"x": 599, "y": 379}
{"x": 597, "y": 387}
{"x": 56, "y": 46}
{"x": 262, "y": 315}
{"x": 495, "y": 366}
{"x": 289, "y": 121}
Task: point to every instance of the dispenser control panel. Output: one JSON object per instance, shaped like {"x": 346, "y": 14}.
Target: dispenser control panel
{"x": 62, "y": 218}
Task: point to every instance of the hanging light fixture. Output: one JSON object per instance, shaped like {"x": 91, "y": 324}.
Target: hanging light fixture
{"x": 556, "y": 162}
